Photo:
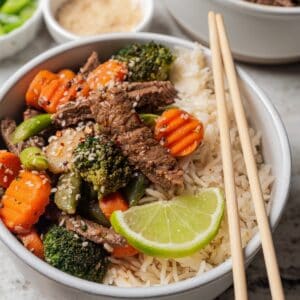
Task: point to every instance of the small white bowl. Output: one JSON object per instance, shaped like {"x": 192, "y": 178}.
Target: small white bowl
{"x": 258, "y": 33}
{"x": 61, "y": 35}
{"x": 19, "y": 38}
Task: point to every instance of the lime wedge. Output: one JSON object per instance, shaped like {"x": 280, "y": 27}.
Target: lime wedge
{"x": 174, "y": 228}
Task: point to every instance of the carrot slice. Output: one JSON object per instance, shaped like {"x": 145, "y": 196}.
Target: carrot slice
{"x": 190, "y": 142}
{"x": 33, "y": 243}
{"x": 110, "y": 71}
{"x": 108, "y": 205}
{"x": 48, "y": 89}
{"x": 124, "y": 251}
{"x": 112, "y": 202}
{"x": 10, "y": 166}
{"x": 179, "y": 131}
{"x": 53, "y": 94}
{"x": 25, "y": 201}
{"x": 42, "y": 78}
{"x": 47, "y": 93}
{"x": 79, "y": 88}
{"x": 168, "y": 116}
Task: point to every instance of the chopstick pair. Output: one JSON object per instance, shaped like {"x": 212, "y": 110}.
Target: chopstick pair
{"x": 221, "y": 55}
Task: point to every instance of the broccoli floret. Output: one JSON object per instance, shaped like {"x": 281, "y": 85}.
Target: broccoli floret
{"x": 74, "y": 255}
{"x": 146, "y": 62}
{"x": 100, "y": 162}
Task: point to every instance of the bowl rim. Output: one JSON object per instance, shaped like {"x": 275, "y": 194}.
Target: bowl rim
{"x": 154, "y": 291}
{"x": 261, "y": 8}
{"x": 26, "y": 26}
{"x": 52, "y": 22}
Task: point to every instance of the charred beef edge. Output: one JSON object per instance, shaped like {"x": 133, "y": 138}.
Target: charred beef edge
{"x": 92, "y": 231}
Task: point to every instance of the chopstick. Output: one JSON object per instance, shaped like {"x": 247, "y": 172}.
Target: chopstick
{"x": 255, "y": 187}
{"x": 239, "y": 277}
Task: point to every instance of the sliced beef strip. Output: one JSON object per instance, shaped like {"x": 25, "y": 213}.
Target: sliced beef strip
{"x": 143, "y": 96}
{"x": 113, "y": 114}
{"x": 92, "y": 231}
{"x": 91, "y": 64}
{"x": 148, "y": 96}
{"x": 118, "y": 120}
{"x": 151, "y": 158}
{"x": 72, "y": 113}
{"x": 8, "y": 126}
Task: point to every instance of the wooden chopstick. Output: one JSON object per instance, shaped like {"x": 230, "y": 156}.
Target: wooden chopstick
{"x": 239, "y": 276}
{"x": 255, "y": 187}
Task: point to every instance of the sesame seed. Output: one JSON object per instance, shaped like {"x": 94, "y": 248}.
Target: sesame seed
{"x": 184, "y": 116}
{"x": 8, "y": 171}
{"x": 108, "y": 247}
{"x": 62, "y": 222}
{"x": 85, "y": 244}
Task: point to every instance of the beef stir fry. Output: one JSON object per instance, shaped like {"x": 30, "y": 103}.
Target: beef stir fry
{"x": 90, "y": 144}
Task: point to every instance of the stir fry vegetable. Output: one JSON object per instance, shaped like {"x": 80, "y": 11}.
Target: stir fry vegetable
{"x": 102, "y": 164}
{"x": 54, "y": 93}
{"x": 109, "y": 204}
{"x": 33, "y": 158}
{"x": 110, "y": 71}
{"x": 33, "y": 242}
{"x": 179, "y": 131}
{"x": 48, "y": 90}
{"x": 25, "y": 200}
{"x": 59, "y": 152}
{"x": 125, "y": 251}
{"x": 149, "y": 119}
{"x": 10, "y": 166}
{"x": 89, "y": 206}
{"x": 112, "y": 202}
{"x": 75, "y": 255}
{"x": 31, "y": 127}
{"x": 68, "y": 192}
{"x": 135, "y": 189}
{"x": 146, "y": 62}
{"x": 40, "y": 80}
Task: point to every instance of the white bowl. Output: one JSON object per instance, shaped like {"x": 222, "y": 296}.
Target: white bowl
{"x": 19, "y": 38}
{"x": 258, "y": 33}
{"x": 61, "y": 35}
{"x": 209, "y": 285}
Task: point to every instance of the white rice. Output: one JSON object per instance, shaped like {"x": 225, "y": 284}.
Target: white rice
{"x": 193, "y": 79}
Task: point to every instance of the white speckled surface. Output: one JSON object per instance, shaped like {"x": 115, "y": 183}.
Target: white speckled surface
{"x": 282, "y": 85}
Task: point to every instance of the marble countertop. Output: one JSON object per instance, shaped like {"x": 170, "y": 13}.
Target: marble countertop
{"x": 282, "y": 85}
